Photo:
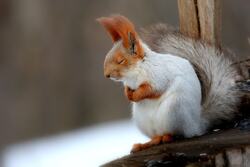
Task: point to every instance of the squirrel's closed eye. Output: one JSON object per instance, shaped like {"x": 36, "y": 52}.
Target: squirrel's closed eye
{"x": 122, "y": 61}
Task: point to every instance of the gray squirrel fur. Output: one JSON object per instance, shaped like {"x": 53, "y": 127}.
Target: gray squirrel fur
{"x": 215, "y": 69}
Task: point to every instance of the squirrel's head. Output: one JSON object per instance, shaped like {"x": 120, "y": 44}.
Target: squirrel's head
{"x": 127, "y": 49}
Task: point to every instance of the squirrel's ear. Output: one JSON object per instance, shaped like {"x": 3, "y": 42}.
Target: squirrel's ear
{"x": 109, "y": 25}
{"x": 126, "y": 31}
{"x": 119, "y": 27}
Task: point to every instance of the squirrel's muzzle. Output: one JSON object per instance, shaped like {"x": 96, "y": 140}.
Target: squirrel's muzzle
{"x": 107, "y": 75}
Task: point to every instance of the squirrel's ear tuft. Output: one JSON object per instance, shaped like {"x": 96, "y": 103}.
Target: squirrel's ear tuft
{"x": 120, "y": 28}
{"x": 126, "y": 30}
{"x": 109, "y": 25}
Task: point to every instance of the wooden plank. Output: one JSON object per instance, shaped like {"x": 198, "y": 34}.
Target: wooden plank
{"x": 188, "y": 18}
{"x": 209, "y": 14}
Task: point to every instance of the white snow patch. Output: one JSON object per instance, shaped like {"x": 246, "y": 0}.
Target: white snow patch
{"x": 86, "y": 147}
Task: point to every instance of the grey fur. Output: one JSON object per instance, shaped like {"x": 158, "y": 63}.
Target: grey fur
{"x": 213, "y": 67}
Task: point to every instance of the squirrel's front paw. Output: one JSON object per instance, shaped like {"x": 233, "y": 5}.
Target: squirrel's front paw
{"x": 129, "y": 93}
{"x": 139, "y": 94}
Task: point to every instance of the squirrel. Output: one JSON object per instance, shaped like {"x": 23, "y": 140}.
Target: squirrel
{"x": 177, "y": 85}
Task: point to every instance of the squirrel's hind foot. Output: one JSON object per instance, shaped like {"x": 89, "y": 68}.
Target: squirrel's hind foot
{"x": 153, "y": 142}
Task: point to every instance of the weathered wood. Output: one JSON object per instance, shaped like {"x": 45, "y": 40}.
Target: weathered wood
{"x": 188, "y": 18}
{"x": 209, "y": 12}
{"x": 219, "y": 160}
{"x": 223, "y": 148}
{"x": 246, "y": 157}
{"x": 234, "y": 157}
{"x": 201, "y": 19}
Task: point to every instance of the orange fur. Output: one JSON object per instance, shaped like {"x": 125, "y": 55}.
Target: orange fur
{"x": 154, "y": 141}
{"x": 119, "y": 27}
{"x": 108, "y": 23}
{"x": 145, "y": 91}
{"x": 118, "y": 62}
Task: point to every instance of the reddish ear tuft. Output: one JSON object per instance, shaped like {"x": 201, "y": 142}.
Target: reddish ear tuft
{"x": 108, "y": 24}
{"x": 119, "y": 27}
{"x": 125, "y": 29}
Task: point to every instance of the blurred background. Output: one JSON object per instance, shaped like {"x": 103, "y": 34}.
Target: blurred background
{"x": 51, "y": 61}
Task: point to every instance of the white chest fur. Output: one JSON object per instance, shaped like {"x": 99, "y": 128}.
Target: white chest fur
{"x": 148, "y": 118}
{"x": 178, "y": 110}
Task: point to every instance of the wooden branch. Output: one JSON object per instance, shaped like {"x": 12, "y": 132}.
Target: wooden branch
{"x": 230, "y": 147}
{"x": 201, "y": 19}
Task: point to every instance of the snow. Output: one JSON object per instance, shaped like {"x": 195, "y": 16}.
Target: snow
{"x": 85, "y": 147}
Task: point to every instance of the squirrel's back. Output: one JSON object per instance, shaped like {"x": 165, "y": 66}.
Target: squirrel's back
{"x": 214, "y": 69}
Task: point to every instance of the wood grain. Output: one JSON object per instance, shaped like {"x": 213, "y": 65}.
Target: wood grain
{"x": 188, "y": 18}
{"x": 201, "y": 19}
{"x": 209, "y": 14}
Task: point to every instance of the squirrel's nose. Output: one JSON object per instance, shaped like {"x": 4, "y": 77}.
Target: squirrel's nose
{"x": 107, "y": 75}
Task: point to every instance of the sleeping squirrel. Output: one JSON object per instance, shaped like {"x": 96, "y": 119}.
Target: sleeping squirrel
{"x": 177, "y": 85}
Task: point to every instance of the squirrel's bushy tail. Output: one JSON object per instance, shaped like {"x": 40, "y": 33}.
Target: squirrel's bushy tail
{"x": 214, "y": 68}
